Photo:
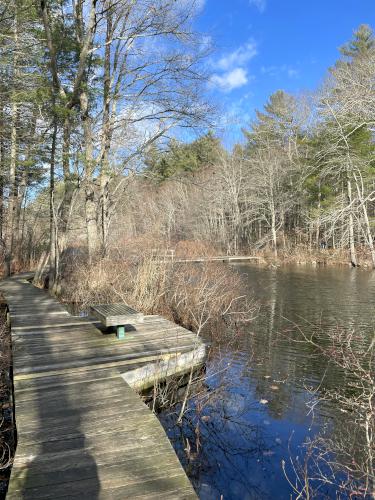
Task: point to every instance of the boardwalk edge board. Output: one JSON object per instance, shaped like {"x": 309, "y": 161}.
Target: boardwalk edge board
{"x": 82, "y": 429}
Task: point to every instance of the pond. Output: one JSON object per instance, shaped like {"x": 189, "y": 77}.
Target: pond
{"x": 255, "y": 413}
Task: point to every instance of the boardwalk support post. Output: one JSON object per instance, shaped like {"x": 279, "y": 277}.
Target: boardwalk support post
{"x": 120, "y": 332}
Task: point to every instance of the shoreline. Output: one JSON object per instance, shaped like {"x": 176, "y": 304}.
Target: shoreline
{"x": 333, "y": 259}
{"x": 318, "y": 259}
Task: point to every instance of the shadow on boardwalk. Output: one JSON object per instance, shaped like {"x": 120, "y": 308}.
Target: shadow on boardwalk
{"x": 54, "y": 413}
{"x": 82, "y": 431}
{"x": 51, "y": 453}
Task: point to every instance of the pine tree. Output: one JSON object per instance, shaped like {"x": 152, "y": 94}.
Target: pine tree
{"x": 362, "y": 43}
{"x": 180, "y": 158}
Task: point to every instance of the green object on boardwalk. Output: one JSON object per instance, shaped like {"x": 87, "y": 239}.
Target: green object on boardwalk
{"x": 120, "y": 332}
{"x": 117, "y": 315}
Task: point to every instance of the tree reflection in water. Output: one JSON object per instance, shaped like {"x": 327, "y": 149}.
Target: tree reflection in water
{"x": 252, "y": 413}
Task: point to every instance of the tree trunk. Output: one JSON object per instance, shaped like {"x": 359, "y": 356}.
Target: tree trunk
{"x": 13, "y": 161}
{"x": 317, "y": 236}
{"x": 104, "y": 208}
{"x": 69, "y": 188}
{"x": 273, "y": 228}
{"x": 368, "y": 234}
{"x": 106, "y": 138}
{"x": 2, "y": 177}
{"x": 12, "y": 191}
{"x": 90, "y": 202}
{"x": 353, "y": 255}
{"x": 53, "y": 265}
{"x": 91, "y": 220}
{"x": 370, "y": 241}
{"x": 38, "y": 276}
{"x": 19, "y": 201}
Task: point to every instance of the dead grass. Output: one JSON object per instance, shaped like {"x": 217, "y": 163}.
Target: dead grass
{"x": 193, "y": 295}
{"x": 188, "y": 249}
{"x": 300, "y": 254}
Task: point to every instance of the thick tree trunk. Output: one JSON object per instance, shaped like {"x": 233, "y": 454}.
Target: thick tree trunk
{"x": 317, "y": 236}
{"x": 53, "y": 263}
{"x": 370, "y": 241}
{"x": 353, "y": 255}
{"x": 69, "y": 188}
{"x": 2, "y": 177}
{"x": 90, "y": 201}
{"x": 367, "y": 231}
{"x": 106, "y": 138}
{"x": 104, "y": 209}
{"x": 273, "y": 228}
{"x": 17, "y": 230}
{"x": 13, "y": 162}
{"x": 38, "y": 276}
{"x": 12, "y": 191}
{"x": 91, "y": 220}
{"x": 1, "y": 207}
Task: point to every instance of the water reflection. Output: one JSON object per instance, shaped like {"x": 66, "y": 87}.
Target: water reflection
{"x": 254, "y": 414}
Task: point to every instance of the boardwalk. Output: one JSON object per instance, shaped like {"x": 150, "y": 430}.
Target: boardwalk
{"x": 82, "y": 430}
{"x": 220, "y": 258}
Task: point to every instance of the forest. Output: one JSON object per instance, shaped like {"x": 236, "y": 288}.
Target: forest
{"x": 114, "y": 160}
{"x": 94, "y": 96}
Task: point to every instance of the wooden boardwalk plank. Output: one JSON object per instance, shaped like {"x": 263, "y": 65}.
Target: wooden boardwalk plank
{"x": 82, "y": 431}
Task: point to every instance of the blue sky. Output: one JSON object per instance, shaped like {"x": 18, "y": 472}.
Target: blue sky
{"x": 265, "y": 45}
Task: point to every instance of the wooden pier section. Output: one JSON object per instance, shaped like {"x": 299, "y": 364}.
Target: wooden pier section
{"x": 170, "y": 256}
{"x": 82, "y": 431}
{"x": 220, "y": 258}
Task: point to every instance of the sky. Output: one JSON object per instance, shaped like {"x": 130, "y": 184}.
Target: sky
{"x": 261, "y": 46}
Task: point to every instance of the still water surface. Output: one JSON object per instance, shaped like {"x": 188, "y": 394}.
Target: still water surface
{"x": 255, "y": 411}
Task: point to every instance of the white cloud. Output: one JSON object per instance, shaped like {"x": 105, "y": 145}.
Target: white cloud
{"x": 230, "y": 80}
{"x": 238, "y": 57}
{"x": 230, "y": 70}
{"x": 259, "y": 4}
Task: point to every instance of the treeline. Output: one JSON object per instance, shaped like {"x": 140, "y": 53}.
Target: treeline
{"x": 91, "y": 92}
{"x": 86, "y": 86}
{"x": 304, "y": 175}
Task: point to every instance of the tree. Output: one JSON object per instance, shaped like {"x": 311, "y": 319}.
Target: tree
{"x": 179, "y": 158}
{"x": 151, "y": 85}
{"x": 347, "y": 109}
{"x": 21, "y": 93}
{"x": 361, "y": 45}
{"x": 272, "y": 152}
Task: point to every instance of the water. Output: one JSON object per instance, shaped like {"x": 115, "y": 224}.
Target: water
{"x": 252, "y": 412}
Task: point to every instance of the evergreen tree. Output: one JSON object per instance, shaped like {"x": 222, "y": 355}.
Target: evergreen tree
{"x": 181, "y": 158}
{"x": 361, "y": 44}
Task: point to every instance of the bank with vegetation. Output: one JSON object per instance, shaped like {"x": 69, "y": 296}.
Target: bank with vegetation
{"x": 97, "y": 186}
{"x": 89, "y": 168}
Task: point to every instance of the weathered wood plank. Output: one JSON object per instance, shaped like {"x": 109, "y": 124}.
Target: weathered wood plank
{"x": 119, "y": 485}
{"x": 85, "y": 362}
{"x": 115, "y": 314}
{"x": 82, "y": 431}
{"x": 39, "y": 346}
{"x": 100, "y": 352}
{"x": 123, "y": 366}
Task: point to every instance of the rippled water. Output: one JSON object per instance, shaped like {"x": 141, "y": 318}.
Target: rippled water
{"x": 252, "y": 413}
